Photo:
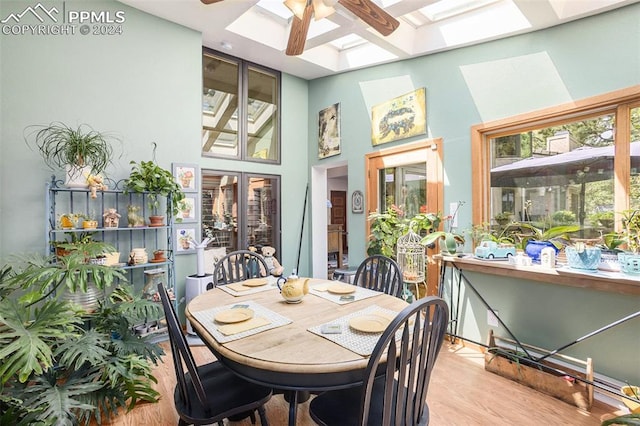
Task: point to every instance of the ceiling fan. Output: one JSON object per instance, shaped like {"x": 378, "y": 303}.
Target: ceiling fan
{"x": 302, "y": 10}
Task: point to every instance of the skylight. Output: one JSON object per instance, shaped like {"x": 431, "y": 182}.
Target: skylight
{"x": 444, "y": 9}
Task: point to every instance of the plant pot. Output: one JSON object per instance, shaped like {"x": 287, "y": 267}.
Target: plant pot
{"x": 588, "y": 259}
{"x": 76, "y": 177}
{"x": 68, "y": 221}
{"x": 90, "y": 224}
{"x": 534, "y": 248}
{"x": 87, "y": 300}
{"x": 609, "y": 261}
{"x": 633, "y": 392}
{"x": 629, "y": 263}
{"x": 155, "y": 221}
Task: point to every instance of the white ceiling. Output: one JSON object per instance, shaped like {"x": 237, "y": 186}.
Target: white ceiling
{"x": 257, "y": 30}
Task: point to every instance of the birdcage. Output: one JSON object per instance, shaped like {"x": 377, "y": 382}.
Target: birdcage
{"x": 410, "y": 257}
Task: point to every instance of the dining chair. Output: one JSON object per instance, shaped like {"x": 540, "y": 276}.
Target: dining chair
{"x": 392, "y": 393}
{"x": 380, "y": 273}
{"x": 239, "y": 265}
{"x": 208, "y": 393}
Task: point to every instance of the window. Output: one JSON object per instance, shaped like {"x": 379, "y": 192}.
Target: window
{"x": 578, "y": 164}
{"x": 240, "y": 210}
{"x": 240, "y": 109}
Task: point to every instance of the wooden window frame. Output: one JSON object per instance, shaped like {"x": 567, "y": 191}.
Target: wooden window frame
{"x": 619, "y": 103}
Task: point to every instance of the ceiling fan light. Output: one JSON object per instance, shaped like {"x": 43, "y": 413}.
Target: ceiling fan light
{"x": 296, "y": 6}
{"x": 321, "y": 10}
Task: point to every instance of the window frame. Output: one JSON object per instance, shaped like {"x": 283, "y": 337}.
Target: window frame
{"x": 619, "y": 103}
{"x": 243, "y": 98}
{"x": 243, "y": 179}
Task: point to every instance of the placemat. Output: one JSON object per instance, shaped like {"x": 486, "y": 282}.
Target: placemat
{"x": 205, "y": 318}
{"x": 356, "y": 341}
{"x": 320, "y": 290}
{"x": 233, "y": 288}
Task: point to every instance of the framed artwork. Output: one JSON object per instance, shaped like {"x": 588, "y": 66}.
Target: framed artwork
{"x": 186, "y": 236}
{"x": 187, "y": 176}
{"x": 399, "y": 118}
{"x": 357, "y": 202}
{"x": 188, "y": 209}
{"x": 329, "y": 131}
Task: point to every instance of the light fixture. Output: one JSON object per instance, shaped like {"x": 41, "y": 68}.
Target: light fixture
{"x": 226, "y": 45}
{"x": 321, "y": 8}
{"x": 296, "y": 6}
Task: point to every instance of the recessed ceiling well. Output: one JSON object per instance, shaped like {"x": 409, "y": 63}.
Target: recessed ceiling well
{"x": 258, "y": 30}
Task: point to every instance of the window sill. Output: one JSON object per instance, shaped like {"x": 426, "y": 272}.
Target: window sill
{"x": 612, "y": 282}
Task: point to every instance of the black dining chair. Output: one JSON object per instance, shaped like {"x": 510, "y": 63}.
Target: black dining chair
{"x": 380, "y": 273}
{"x": 208, "y": 393}
{"x": 239, "y": 265}
{"x": 392, "y": 393}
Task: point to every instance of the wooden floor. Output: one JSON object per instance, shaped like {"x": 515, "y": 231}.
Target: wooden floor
{"x": 461, "y": 393}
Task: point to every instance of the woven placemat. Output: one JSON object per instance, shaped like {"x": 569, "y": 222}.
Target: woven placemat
{"x": 356, "y": 341}
{"x": 229, "y": 288}
{"x": 206, "y": 316}
{"x": 320, "y": 290}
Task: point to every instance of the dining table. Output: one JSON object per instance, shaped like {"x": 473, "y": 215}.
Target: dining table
{"x": 321, "y": 343}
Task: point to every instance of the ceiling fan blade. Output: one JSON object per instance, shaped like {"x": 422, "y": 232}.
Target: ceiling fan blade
{"x": 210, "y": 1}
{"x": 299, "y": 30}
{"x": 372, "y": 14}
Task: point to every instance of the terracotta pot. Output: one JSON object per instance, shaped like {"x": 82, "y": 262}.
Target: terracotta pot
{"x": 90, "y": 224}
{"x": 155, "y": 221}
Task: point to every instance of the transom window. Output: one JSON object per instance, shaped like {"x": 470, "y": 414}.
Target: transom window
{"x": 240, "y": 109}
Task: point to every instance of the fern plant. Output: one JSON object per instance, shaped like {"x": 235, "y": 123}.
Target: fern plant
{"x": 56, "y": 369}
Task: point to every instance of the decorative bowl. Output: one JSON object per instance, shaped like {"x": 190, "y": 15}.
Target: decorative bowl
{"x": 588, "y": 258}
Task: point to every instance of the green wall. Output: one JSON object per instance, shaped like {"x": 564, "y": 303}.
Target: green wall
{"x": 144, "y": 86}
{"x": 482, "y": 83}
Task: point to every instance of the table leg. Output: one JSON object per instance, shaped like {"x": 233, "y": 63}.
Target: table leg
{"x": 292, "y": 396}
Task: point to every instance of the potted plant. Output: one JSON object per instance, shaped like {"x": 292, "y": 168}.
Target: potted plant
{"x": 630, "y": 234}
{"x": 503, "y": 218}
{"x": 609, "y": 248}
{"x": 56, "y": 369}
{"x": 80, "y": 151}
{"x": 147, "y": 177}
{"x": 533, "y": 239}
{"x": 580, "y": 255}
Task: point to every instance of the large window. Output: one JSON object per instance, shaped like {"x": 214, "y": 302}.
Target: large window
{"x": 240, "y": 109}
{"x": 578, "y": 164}
{"x": 241, "y": 210}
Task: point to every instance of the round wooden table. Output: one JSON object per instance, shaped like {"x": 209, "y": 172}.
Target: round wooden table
{"x": 290, "y": 357}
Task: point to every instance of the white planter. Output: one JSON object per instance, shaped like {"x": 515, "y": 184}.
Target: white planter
{"x": 609, "y": 261}
{"x": 76, "y": 177}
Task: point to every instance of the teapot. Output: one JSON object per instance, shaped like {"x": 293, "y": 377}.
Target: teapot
{"x": 292, "y": 288}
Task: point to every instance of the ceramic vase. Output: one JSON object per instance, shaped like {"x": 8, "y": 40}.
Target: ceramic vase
{"x": 534, "y": 248}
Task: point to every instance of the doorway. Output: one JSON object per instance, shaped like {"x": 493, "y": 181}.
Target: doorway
{"x": 408, "y": 175}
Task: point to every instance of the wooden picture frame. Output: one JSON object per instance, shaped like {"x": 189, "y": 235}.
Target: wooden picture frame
{"x": 187, "y": 176}
{"x": 399, "y": 118}
{"x": 329, "y": 131}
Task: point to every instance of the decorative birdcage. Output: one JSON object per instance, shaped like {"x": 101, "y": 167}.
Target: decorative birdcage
{"x": 410, "y": 256}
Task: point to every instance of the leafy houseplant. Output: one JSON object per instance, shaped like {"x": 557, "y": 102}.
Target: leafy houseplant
{"x": 82, "y": 150}
{"x": 503, "y": 218}
{"x": 387, "y": 227}
{"x": 148, "y": 177}
{"x": 58, "y": 370}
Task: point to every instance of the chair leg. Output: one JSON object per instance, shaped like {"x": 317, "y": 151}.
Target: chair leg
{"x": 252, "y": 416}
{"x": 182, "y": 423}
{"x": 263, "y": 416}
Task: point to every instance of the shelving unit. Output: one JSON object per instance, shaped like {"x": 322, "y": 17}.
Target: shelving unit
{"x": 61, "y": 200}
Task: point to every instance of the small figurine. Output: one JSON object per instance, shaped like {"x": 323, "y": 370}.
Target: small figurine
{"x": 134, "y": 219}
{"x": 111, "y": 218}
{"x": 132, "y": 259}
{"x": 95, "y": 184}
{"x": 275, "y": 268}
